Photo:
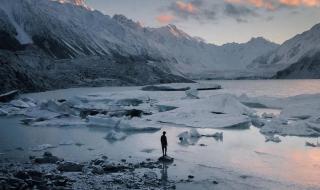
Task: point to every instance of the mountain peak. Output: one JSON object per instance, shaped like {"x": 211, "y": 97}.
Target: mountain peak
{"x": 173, "y": 29}
{"x": 81, "y": 3}
{"x": 124, "y": 20}
{"x": 260, "y": 40}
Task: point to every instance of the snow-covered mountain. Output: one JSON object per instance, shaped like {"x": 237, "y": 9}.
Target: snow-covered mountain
{"x": 303, "y": 48}
{"x": 46, "y": 34}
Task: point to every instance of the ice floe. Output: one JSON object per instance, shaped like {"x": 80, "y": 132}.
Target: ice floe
{"x": 299, "y": 115}
{"x": 312, "y": 144}
{"x": 192, "y": 94}
{"x": 192, "y": 136}
{"x": 219, "y": 111}
{"x": 115, "y": 136}
{"x": 273, "y": 139}
{"x": 42, "y": 147}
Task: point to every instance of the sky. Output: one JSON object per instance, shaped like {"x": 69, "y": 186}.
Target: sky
{"x": 221, "y": 21}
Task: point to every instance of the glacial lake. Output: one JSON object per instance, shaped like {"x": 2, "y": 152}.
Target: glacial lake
{"x": 241, "y": 155}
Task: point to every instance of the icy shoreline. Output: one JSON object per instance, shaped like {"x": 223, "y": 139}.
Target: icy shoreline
{"x": 121, "y": 116}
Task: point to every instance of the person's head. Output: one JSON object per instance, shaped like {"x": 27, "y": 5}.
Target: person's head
{"x": 164, "y": 133}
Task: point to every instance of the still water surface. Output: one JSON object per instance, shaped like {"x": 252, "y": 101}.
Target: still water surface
{"x": 242, "y": 151}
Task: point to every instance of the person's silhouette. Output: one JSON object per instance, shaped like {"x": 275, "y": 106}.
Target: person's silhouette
{"x": 164, "y": 144}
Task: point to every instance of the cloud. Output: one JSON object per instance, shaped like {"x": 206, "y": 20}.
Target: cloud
{"x": 185, "y": 7}
{"x": 238, "y": 12}
{"x": 165, "y": 18}
{"x": 296, "y": 3}
{"x": 195, "y": 9}
{"x": 276, "y": 4}
{"x": 266, "y": 4}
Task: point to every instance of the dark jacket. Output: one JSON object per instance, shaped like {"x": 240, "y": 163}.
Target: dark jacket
{"x": 164, "y": 140}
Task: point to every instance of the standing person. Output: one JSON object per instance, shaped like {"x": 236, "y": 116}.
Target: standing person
{"x": 164, "y": 144}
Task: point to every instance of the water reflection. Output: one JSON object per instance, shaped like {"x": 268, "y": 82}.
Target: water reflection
{"x": 164, "y": 175}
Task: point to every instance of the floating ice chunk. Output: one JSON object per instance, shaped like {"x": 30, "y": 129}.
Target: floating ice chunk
{"x": 207, "y": 86}
{"x": 129, "y": 102}
{"x": 163, "y": 88}
{"x": 19, "y": 104}
{"x": 164, "y": 108}
{"x": 273, "y": 139}
{"x": 192, "y": 94}
{"x": 115, "y": 136}
{"x": 68, "y": 121}
{"x": 66, "y": 143}
{"x": 297, "y": 128}
{"x": 194, "y": 133}
{"x": 268, "y": 115}
{"x": 215, "y": 135}
{"x": 9, "y": 96}
{"x": 57, "y": 107}
{"x": 42, "y": 147}
{"x": 129, "y": 125}
{"x": 312, "y": 144}
{"x": 137, "y": 125}
{"x": 184, "y": 137}
{"x": 37, "y": 113}
{"x": 103, "y": 121}
{"x": 3, "y": 112}
{"x": 192, "y": 137}
{"x": 13, "y": 110}
{"x": 204, "y": 119}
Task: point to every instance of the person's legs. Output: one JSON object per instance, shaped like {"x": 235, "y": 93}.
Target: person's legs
{"x": 163, "y": 147}
{"x": 165, "y": 150}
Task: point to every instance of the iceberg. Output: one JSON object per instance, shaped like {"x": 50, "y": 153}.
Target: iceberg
{"x": 192, "y": 94}
{"x": 3, "y": 112}
{"x": 115, "y": 136}
{"x": 65, "y": 121}
{"x": 42, "y": 147}
{"x": 219, "y": 111}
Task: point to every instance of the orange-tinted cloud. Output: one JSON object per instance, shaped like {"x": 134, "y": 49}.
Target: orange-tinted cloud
{"x": 269, "y": 5}
{"x": 273, "y": 4}
{"x": 187, "y": 7}
{"x": 296, "y": 3}
{"x": 165, "y": 18}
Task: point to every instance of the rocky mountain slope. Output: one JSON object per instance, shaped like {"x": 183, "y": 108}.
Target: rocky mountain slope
{"x": 298, "y": 57}
{"x": 61, "y": 44}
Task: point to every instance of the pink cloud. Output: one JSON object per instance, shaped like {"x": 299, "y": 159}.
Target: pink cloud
{"x": 187, "y": 7}
{"x": 165, "y": 18}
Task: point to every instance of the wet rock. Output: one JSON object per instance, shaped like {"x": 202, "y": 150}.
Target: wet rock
{"x": 70, "y": 167}
{"x": 150, "y": 175}
{"x": 22, "y": 175}
{"x": 97, "y": 161}
{"x": 190, "y": 176}
{"x": 112, "y": 168}
{"x": 166, "y": 159}
{"x": 47, "y": 158}
{"x": 97, "y": 170}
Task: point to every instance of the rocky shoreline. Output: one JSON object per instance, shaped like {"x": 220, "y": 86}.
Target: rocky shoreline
{"x": 51, "y": 172}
